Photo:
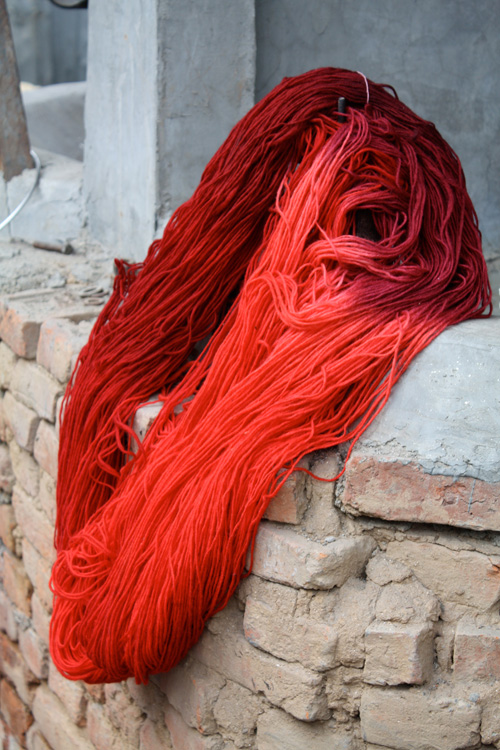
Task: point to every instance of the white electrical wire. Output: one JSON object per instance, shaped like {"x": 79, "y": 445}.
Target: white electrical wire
{"x": 28, "y": 195}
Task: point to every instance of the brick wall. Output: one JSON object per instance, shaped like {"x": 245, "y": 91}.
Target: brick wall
{"x": 371, "y": 617}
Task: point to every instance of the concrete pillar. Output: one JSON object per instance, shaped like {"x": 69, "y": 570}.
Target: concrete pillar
{"x": 167, "y": 79}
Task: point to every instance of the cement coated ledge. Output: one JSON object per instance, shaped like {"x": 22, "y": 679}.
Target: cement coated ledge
{"x": 433, "y": 454}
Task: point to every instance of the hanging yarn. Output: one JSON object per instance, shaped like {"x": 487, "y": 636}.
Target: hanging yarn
{"x": 312, "y": 320}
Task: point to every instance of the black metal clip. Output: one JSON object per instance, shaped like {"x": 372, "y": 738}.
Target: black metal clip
{"x": 341, "y": 107}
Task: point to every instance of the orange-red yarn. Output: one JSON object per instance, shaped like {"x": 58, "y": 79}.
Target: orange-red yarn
{"x": 311, "y": 327}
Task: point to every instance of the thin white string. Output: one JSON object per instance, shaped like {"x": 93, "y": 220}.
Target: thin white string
{"x": 366, "y": 84}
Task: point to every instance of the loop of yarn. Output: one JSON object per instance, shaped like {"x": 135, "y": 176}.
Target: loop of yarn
{"x": 311, "y": 325}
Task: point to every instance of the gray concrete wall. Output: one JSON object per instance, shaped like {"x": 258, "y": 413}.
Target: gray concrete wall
{"x": 442, "y": 57}
{"x": 179, "y": 77}
{"x": 50, "y": 42}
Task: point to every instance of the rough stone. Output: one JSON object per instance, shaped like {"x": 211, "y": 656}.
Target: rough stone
{"x": 398, "y": 654}
{"x": 7, "y": 524}
{"x": 17, "y": 584}
{"x": 17, "y": 715}
{"x": 183, "y": 737}
{"x": 276, "y": 729}
{"x": 477, "y": 652}
{"x": 71, "y": 693}
{"x": 284, "y": 556}
{"x": 46, "y": 448}
{"x": 411, "y": 720}
{"x": 38, "y": 571}
{"x": 407, "y": 601}
{"x": 382, "y": 570}
{"x": 59, "y": 344}
{"x": 22, "y": 421}
{"x": 102, "y": 733}
{"x": 34, "y": 524}
{"x": 236, "y": 711}
{"x": 460, "y": 576}
{"x": 25, "y": 469}
{"x": 290, "y": 637}
{"x": 35, "y": 653}
{"x": 154, "y": 736}
{"x": 36, "y": 388}
{"x": 14, "y": 667}
{"x": 291, "y": 686}
{"x": 7, "y": 617}
{"x": 192, "y": 690}
{"x": 62, "y": 733}
{"x": 7, "y": 363}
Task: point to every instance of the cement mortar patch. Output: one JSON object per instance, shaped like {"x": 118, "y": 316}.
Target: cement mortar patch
{"x": 444, "y": 413}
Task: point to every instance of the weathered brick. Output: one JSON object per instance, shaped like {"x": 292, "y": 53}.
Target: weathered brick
{"x": 26, "y": 469}
{"x": 6, "y": 471}
{"x": 16, "y": 714}
{"x": 34, "y": 524}
{"x": 7, "y": 525}
{"x": 36, "y": 388}
{"x": 192, "y": 689}
{"x": 71, "y": 693}
{"x": 236, "y": 711}
{"x": 382, "y": 570}
{"x": 22, "y": 421}
{"x": 477, "y": 651}
{"x": 14, "y": 667}
{"x": 398, "y": 654}
{"x": 459, "y": 576}
{"x": 17, "y": 584}
{"x": 123, "y": 713}
{"x": 55, "y": 724}
{"x": 46, "y": 448}
{"x": 490, "y": 720}
{"x": 404, "y": 492}
{"x": 284, "y": 556}
{"x": 35, "y": 739}
{"x": 289, "y": 504}
{"x": 183, "y": 737}
{"x": 38, "y": 571}
{"x": 149, "y": 698}
{"x": 407, "y": 602}
{"x": 289, "y": 636}
{"x": 412, "y": 720}
{"x": 7, "y": 363}
{"x": 59, "y": 344}
{"x": 154, "y": 736}
{"x": 35, "y": 653}
{"x": 18, "y": 328}
{"x": 40, "y": 618}
{"x": 3, "y": 422}
{"x": 47, "y": 496}
{"x": 102, "y": 734}
{"x": 8, "y": 623}
{"x": 277, "y": 730}
{"x": 298, "y": 690}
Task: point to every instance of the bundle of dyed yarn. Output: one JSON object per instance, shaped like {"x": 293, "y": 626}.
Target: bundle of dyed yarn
{"x": 312, "y": 320}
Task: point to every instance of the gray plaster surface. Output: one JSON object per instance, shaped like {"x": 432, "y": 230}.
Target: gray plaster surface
{"x": 442, "y": 57}
{"x": 55, "y": 118}
{"x": 179, "y": 77}
{"x": 444, "y": 412}
{"x": 54, "y": 213}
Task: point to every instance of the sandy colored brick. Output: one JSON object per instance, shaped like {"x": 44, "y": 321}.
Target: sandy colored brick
{"x": 22, "y": 421}
{"x": 34, "y": 524}
{"x": 192, "y": 689}
{"x": 40, "y": 618}
{"x": 461, "y": 576}
{"x": 19, "y": 329}
{"x": 276, "y": 730}
{"x": 236, "y": 711}
{"x": 7, "y": 363}
{"x": 412, "y": 720}
{"x": 47, "y": 496}
{"x": 408, "y": 601}
{"x": 71, "y": 693}
{"x": 398, "y": 654}
{"x": 154, "y": 736}
{"x": 183, "y": 737}
{"x": 17, "y": 584}
{"x": 60, "y": 734}
{"x": 284, "y": 556}
{"x": 35, "y": 653}
{"x": 289, "y": 504}
{"x": 46, "y": 448}
{"x": 35, "y": 739}
{"x": 7, "y": 525}
{"x": 123, "y": 713}
{"x": 290, "y": 637}
{"x": 8, "y": 622}
{"x": 224, "y": 648}
{"x": 101, "y": 732}
{"x": 38, "y": 571}
{"x": 477, "y": 652}
{"x": 59, "y": 344}
{"x": 17, "y": 715}
{"x": 404, "y": 492}
{"x": 6, "y": 471}
{"x": 26, "y": 469}
{"x": 4, "y": 429}
{"x": 36, "y": 388}
{"x": 14, "y": 667}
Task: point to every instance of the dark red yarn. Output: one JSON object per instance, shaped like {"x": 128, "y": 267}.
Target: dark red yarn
{"x": 311, "y": 327}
